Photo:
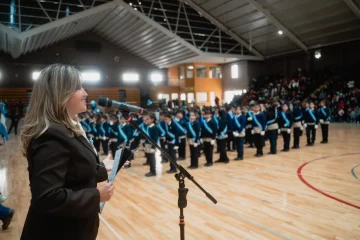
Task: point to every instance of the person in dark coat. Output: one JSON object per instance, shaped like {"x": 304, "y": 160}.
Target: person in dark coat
{"x": 272, "y": 128}
{"x": 239, "y": 124}
{"x": 297, "y": 125}
{"x": 193, "y": 136}
{"x": 208, "y": 135}
{"x": 324, "y": 118}
{"x": 285, "y": 124}
{"x": 222, "y": 132}
{"x": 172, "y": 140}
{"x": 63, "y": 166}
{"x": 150, "y": 150}
{"x": 311, "y": 121}
{"x": 258, "y": 129}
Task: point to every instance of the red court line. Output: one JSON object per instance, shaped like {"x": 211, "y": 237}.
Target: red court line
{"x": 318, "y": 190}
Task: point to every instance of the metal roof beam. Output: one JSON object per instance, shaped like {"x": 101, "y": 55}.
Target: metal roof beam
{"x": 222, "y": 26}
{"x": 66, "y": 20}
{"x": 277, "y": 23}
{"x": 353, "y": 7}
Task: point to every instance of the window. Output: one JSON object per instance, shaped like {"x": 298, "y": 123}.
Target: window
{"x": 91, "y": 76}
{"x": 183, "y": 96}
{"x": 201, "y": 97}
{"x": 174, "y": 96}
{"x": 215, "y": 72}
{"x": 190, "y": 71}
{"x": 163, "y": 96}
{"x": 130, "y": 77}
{"x": 190, "y": 97}
{"x": 234, "y": 71}
{"x": 156, "y": 77}
{"x": 201, "y": 71}
{"x": 181, "y": 72}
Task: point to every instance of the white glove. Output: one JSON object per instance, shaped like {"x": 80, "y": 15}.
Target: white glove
{"x": 279, "y": 131}
{"x": 236, "y": 134}
{"x": 249, "y": 118}
{"x": 195, "y": 144}
{"x": 212, "y": 142}
{"x": 305, "y": 125}
{"x": 262, "y": 133}
{"x": 316, "y": 126}
{"x": 201, "y": 140}
{"x": 252, "y": 132}
{"x": 289, "y": 131}
{"x": 176, "y": 147}
{"x": 301, "y": 128}
{"x": 321, "y": 121}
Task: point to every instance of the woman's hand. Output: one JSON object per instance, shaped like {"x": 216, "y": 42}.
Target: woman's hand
{"x": 106, "y": 191}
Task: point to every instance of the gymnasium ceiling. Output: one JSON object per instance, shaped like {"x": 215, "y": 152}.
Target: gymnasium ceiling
{"x": 169, "y": 32}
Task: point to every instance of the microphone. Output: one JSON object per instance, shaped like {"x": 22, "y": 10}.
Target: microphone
{"x": 106, "y": 102}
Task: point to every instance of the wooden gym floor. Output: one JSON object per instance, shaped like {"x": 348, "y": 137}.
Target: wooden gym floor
{"x": 309, "y": 193}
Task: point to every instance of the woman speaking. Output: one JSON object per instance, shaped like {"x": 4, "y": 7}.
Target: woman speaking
{"x": 63, "y": 166}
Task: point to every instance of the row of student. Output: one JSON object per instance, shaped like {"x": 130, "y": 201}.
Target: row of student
{"x": 203, "y": 130}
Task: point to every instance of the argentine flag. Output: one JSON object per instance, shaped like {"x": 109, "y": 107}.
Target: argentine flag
{"x": 3, "y": 130}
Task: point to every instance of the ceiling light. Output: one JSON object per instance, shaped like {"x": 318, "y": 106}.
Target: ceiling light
{"x": 91, "y": 76}
{"x": 135, "y": 9}
{"x": 131, "y": 77}
{"x": 317, "y": 54}
{"x": 156, "y": 77}
{"x": 130, "y": 4}
{"x": 139, "y": 3}
{"x": 280, "y": 32}
{"x": 35, "y": 75}
{"x": 164, "y": 19}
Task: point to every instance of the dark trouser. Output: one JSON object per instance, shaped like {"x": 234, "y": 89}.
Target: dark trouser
{"x": 105, "y": 146}
{"x": 113, "y": 148}
{"x": 240, "y": 146}
{"x": 171, "y": 152}
{"x": 163, "y": 144}
{"x": 194, "y": 156}
{"x": 222, "y": 148}
{"x": 14, "y": 124}
{"x": 249, "y": 138}
{"x": 150, "y": 158}
{"x": 230, "y": 139}
{"x": 273, "y": 136}
{"x": 286, "y": 137}
{"x": 217, "y": 146}
{"x": 97, "y": 144}
{"x": 258, "y": 142}
{"x": 297, "y": 134}
{"x": 182, "y": 148}
{"x": 325, "y": 131}
{"x": 208, "y": 150}
{"x": 310, "y": 129}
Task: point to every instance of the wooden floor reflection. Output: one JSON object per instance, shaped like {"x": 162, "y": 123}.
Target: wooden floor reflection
{"x": 258, "y": 198}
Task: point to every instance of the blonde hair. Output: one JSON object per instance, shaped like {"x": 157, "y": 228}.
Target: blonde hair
{"x": 53, "y": 88}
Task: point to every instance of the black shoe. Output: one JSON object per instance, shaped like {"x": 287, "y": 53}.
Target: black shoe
{"x": 295, "y": 147}
{"x": 164, "y": 161}
{"x": 312, "y": 144}
{"x": 227, "y": 161}
{"x": 219, "y": 161}
{"x": 324, "y": 142}
{"x": 238, "y": 158}
{"x": 150, "y": 174}
{"x": 192, "y": 167}
{"x": 180, "y": 159}
{"x": 271, "y": 153}
{"x": 308, "y": 144}
{"x": 208, "y": 164}
{"x": 258, "y": 155}
{"x": 251, "y": 146}
{"x": 7, "y": 220}
{"x": 145, "y": 163}
{"x": 171, "y": 171}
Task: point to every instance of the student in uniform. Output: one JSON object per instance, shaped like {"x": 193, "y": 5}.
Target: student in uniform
{"x": 239, "y": 124}
{"x": 249, "y": 126}
{"x": 258, "y": 129}
{"x": 297, "y": 125}
{"x": 311, "y": 124}
{"x": 285, "y": 124}
{"x": 272, "y": 128}
{"x": 208, "y": 136}
{"x": 222, "y": 131}
{"x": 162, "y": 135}
{"x": 216, "y": 118}
{"x": 114, "y": 134}
{"x": 193, "y": 136}
{"x": 324, "y": 116}
{"x": 172, "y": 140}
{"x": 94, "y": 124}
{"x": 153, "y": 133}
{"x": 104, "y": 133}
{"x": 181, "y": 128}
{"x": 230, "y": 139}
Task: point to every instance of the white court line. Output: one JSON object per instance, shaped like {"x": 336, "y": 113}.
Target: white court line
{"x": 111, "y": 228}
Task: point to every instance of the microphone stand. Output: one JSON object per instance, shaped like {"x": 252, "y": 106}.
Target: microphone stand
{"x": 180, "y": 177}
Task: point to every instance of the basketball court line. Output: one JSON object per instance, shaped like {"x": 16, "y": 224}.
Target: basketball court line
{"x": 216, "y": 207}
{"x": 353, "y": 171}
{"x": 318, "y": 190}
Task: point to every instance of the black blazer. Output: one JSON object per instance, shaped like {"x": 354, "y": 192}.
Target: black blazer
{"x": 63, "y": 174}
